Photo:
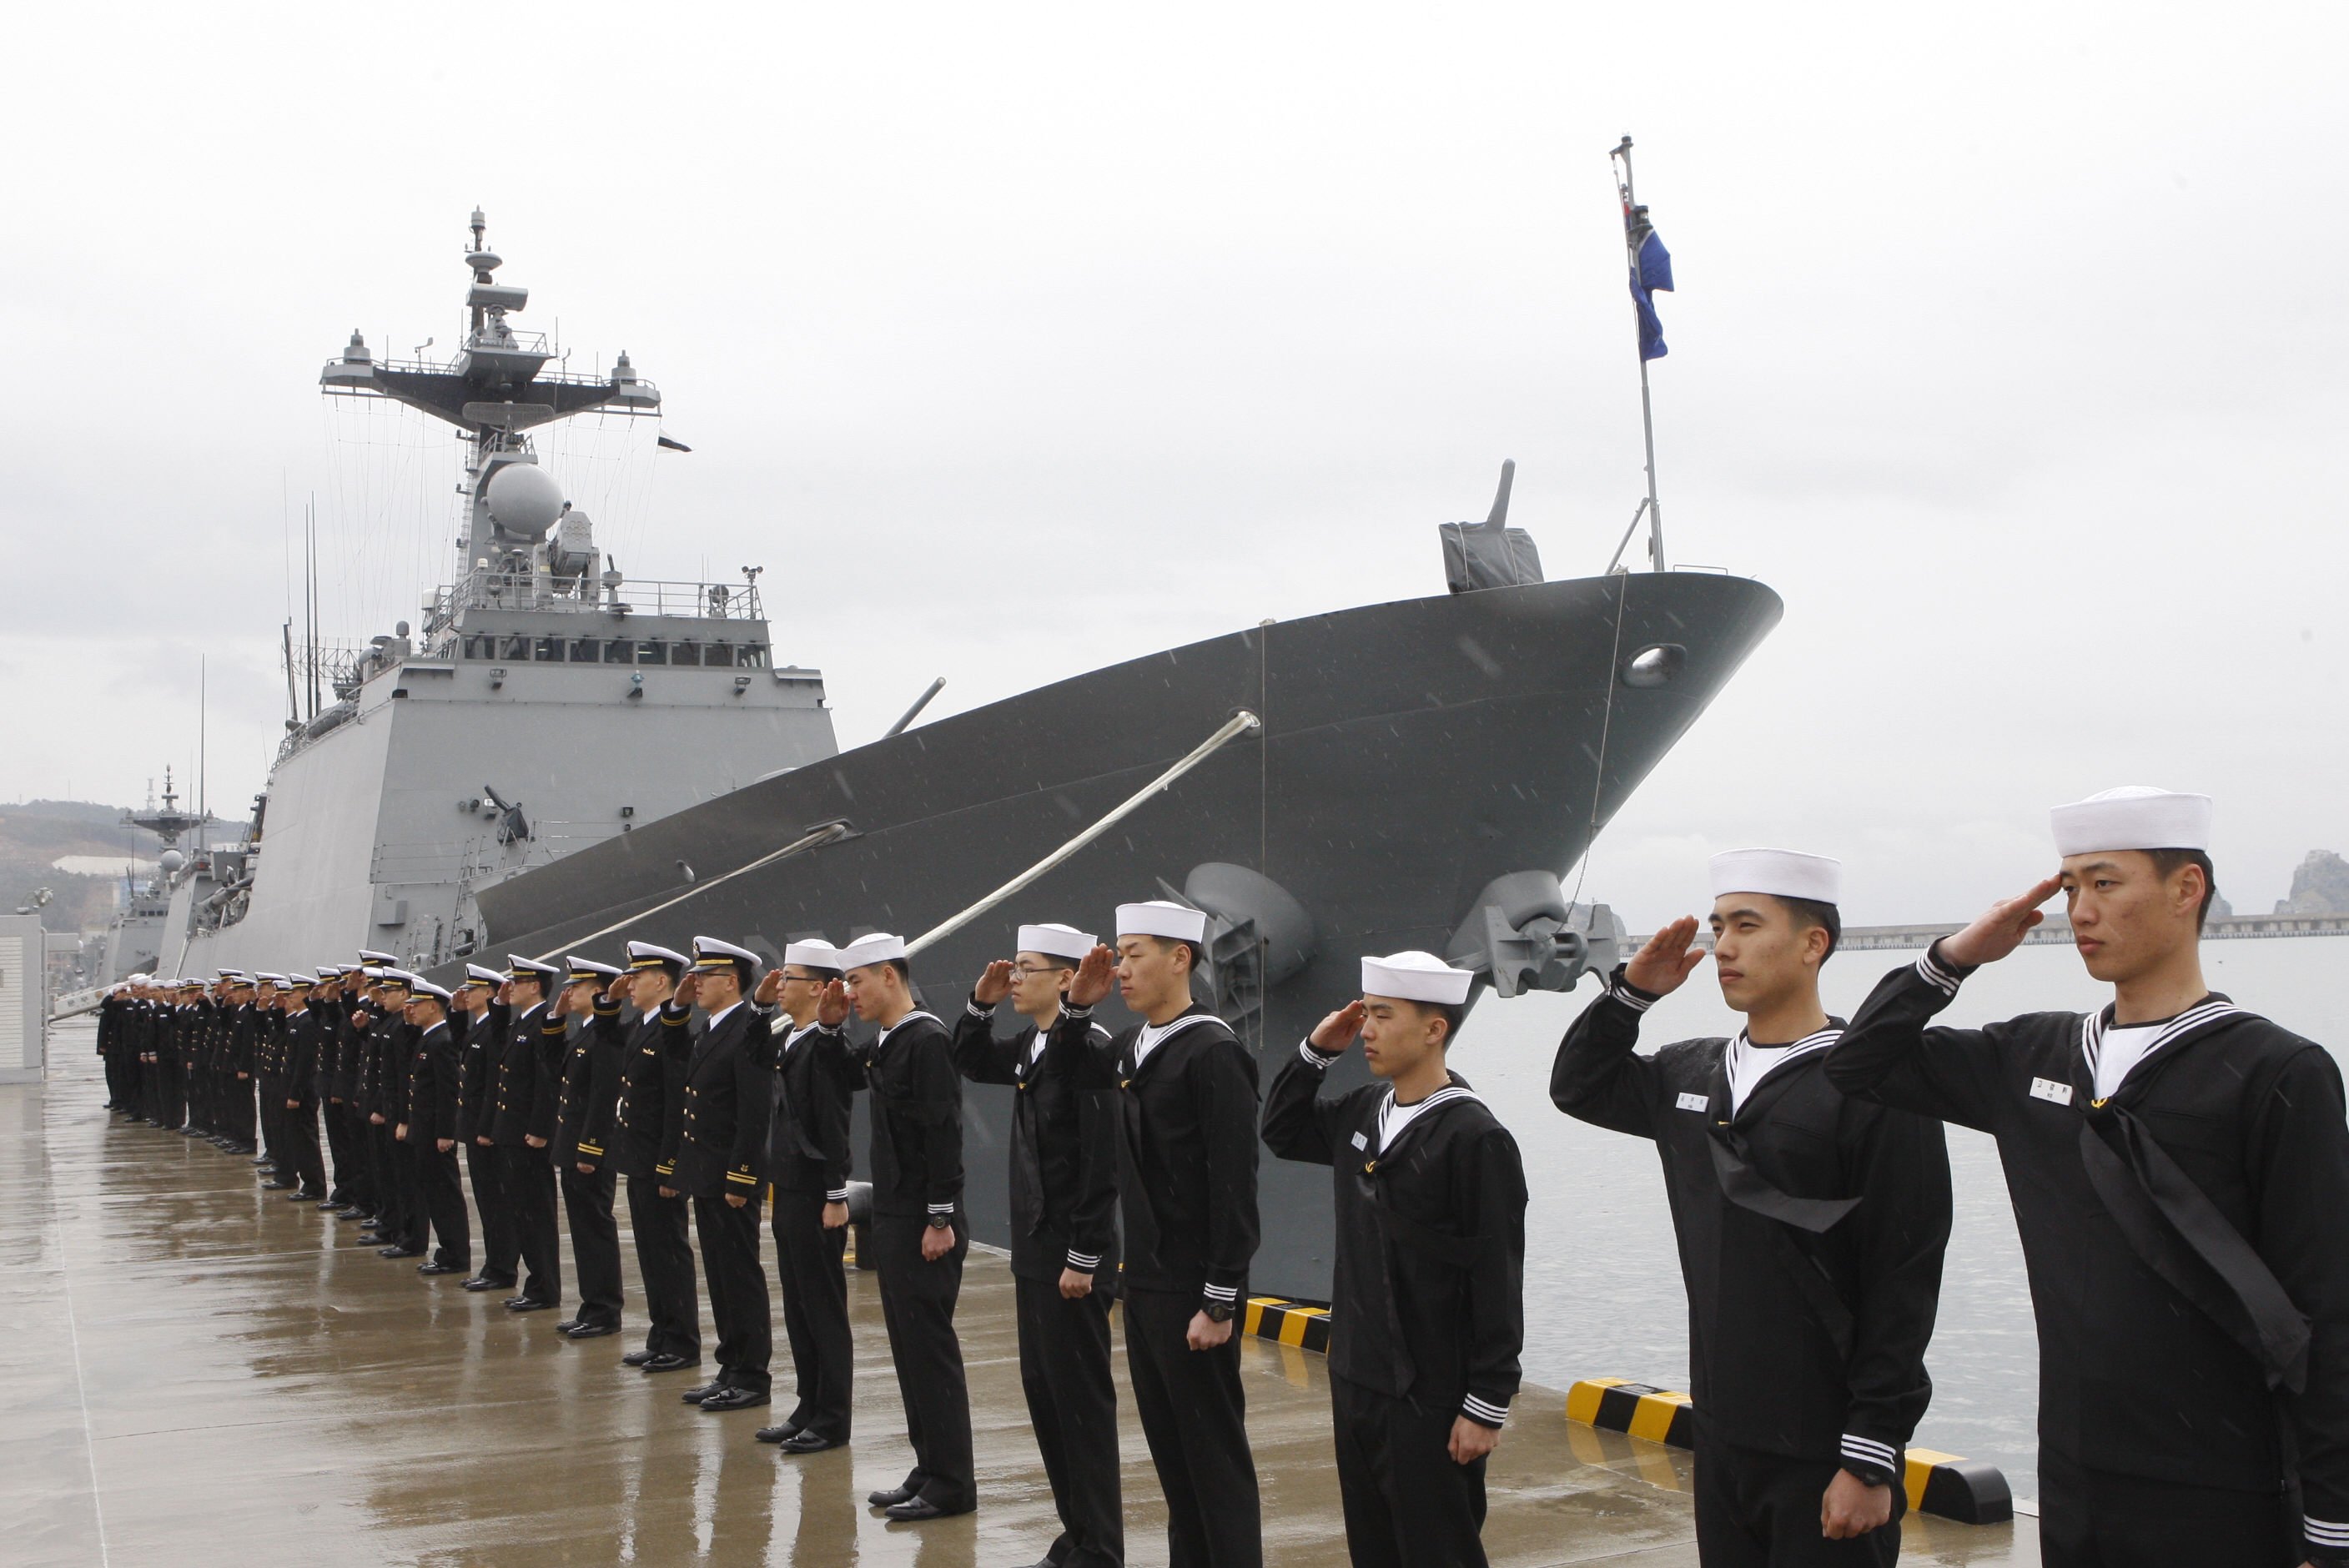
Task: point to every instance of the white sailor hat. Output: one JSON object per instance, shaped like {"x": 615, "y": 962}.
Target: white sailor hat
{"x": 812, "y": 952}
{"x": 873, "y": 947}
{"x": 520, "y": 968}
{"x": 477, "y": 975}
{"x": 647, "y": 955}
{"x": 710, "y": 953}
{"x": 1157, "y": 917}
{"x": 427, "y": 991}
{"x": 2133, "y": 817}
{"x": 369, "y": 956}
{"x": 1416, "y": 976}
{"x": 1781, "y": 873}
{"x": 588, "y": 969}
{"x": 1056, "y": 941}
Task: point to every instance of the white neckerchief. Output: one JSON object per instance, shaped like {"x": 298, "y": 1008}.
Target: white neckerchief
{"x": 799, "y": 1033}
{"x": 2114, "y": 1050}
{"x": 901, "y": 1023}
{"x": 1043, "y": 1037}
{"x": 1749, "y": 1064}
{"x": 1393, "y": 1116}
{"x": 1152, "y": 1035}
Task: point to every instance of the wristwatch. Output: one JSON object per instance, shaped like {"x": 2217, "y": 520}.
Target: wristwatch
{"x": 1217, "y": 1311}
{"x": 940, "y": 1223}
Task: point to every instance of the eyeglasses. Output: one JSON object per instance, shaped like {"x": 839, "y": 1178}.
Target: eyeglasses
{"x": 1032, "y": 970}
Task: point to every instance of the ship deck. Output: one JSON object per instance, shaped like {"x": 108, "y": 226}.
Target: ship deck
{"x": 198, "y": 1372}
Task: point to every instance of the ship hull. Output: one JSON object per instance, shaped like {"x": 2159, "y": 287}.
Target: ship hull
{"x": 1411, "y": 752}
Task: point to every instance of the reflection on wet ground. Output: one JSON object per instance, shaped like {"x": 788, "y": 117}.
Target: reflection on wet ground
{"x": 198, "y": 1372}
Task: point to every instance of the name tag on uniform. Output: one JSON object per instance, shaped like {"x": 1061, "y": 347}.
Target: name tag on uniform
{"x": 1361, "y": 1141}
{"x": 1695, "y": 1102}
{"x": 2051, "y": 1091}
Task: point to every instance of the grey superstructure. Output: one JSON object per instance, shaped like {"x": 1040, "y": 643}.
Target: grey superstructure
{"x": 447, "y": 760}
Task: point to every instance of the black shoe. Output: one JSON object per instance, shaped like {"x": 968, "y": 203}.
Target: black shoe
{"x": 734, "y": 1399}
{"x": 397, "y": 1251}
{"x": 566, "y": 1325}
{"x": 917, "y": 1509}
{"x": 433, "y": 1271}
{"x": 593, "y": 1330}
{"x": 260, "y": 1159}
{"x": 636, "y": 1357}
{"x": 531, "y": 1304}
{"x": 482, "y": 1282}
{"x": 892, "y": 1497}
{"x": 708, "y": 1391}
{"x": 665, "y": 1362}
{"x": 279, "y": 1184}
{"x": 351, "y": 1212}
{"x": 812, "y": 1443}
{"x": 781, "y": 1434}
{"x": 302, "y": 1195}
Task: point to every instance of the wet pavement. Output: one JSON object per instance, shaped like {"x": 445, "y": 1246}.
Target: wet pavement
{"x": 196, "y": 1371}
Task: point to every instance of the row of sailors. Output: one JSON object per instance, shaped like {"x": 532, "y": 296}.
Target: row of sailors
{"x": 2175, "y": 1162}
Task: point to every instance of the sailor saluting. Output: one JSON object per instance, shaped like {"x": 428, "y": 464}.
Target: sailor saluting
{"x": 2178, "y": 1169}
{"x": 1427, "y": 1299}
{"x": 1811, "y": 1227}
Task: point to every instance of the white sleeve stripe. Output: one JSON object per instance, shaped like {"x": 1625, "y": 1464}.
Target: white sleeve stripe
{"x": 976, "y": 1011}
{"x": 1872, "y": 1451}
{"x": 1484, "y": 1409}
{"x": 1934, "y": 975}
{"x": 1616, "y": 992}
{"x": 1083, "y": 1262}
{"x": 2325, "y": 1532}
{"x": 1221, "y": 1292}
{"x": 838, "y": 1197}
{"x": 942, "y": 1208}
{"x": 1312, "y": 1057}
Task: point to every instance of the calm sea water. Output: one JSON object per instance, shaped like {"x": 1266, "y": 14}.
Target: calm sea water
{"x": 1603, "y": 1294}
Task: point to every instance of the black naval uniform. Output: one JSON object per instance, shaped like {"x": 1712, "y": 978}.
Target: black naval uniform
{"x": 1186, "y": 1185}
{"x": 2187, "y": 1270}
{"x": 353, "y": 1172}
{"x": 1063, "y": 1172}
{"x": 111, "y": 1014}
{"x": 433, "y": 1086}
{"x": 486, "y": 1034}
{"x": 298, "y": 1081}
{"x": 645, "y": 1122}
{"x": 916, "y": 1159}
{"x": 808, "y": 1161}
{"x": 1811, "y": 1229}
{"x": 591, "y": 1088}
{"x": 523, "y": 1096}
{"x": 239, "y": 1060}
{"x": 1427, "y": 1301}
{"x": 382, "y": 1076}
{"x": 721, "y": 1131}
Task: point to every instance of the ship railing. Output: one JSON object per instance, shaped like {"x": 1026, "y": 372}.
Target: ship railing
{"x": 484, "y": 588}
{"x": 448, "y": 368}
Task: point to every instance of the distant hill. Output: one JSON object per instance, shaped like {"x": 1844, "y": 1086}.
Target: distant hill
{"x": 35, "y": 833}
{"x": 2319, "y": 886}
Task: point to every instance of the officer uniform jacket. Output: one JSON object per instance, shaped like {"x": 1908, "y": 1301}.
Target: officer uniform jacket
{"x": 2182, "y": 1237}
{"x": 649, "y": 1109}
{"x": 524, "y": 1087}
{"x": 722, "y": 1120}
{"x": 1063, "y": 1147}
{"x": 485, "y": 1036}
{"x": 434, "y": 1084}
{"x": 1800, "y": 1188}
{"x": 590, "y": 1087}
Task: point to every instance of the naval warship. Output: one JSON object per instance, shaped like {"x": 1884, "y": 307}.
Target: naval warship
{"x": 1414, "y": 774}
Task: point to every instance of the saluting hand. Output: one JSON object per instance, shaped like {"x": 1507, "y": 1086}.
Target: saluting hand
{"x": 1337, "y": 1031}
{"x": 1670, "y": 957}
{"x": 688, "y": 989}
{"x": 771, "y": 988}
{"x": 832, "y": 1007}
{"x": 994, "y": 986}
{"x": 1096, "y": 977}
{"x": 2000, "y": 929}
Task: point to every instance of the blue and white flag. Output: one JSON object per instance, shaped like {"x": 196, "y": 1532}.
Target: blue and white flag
{"x": 1651, "y": 269}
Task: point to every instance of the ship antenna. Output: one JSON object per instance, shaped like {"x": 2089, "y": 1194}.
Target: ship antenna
{"x": 1636, "y": 233}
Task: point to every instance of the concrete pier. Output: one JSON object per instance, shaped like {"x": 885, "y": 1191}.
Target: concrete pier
{"x": 200, "y": 1372}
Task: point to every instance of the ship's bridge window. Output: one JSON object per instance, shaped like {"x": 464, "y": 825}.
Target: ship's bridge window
{"x": 652, "y": 653}
{"x": 620, "y": 651}
{"x": 718, "y": 655}
{"x": 549, "y": 651}
{"x": 479, "y": 648}
{"x": 685, "y": 653}
{"x": 754, "y": 656}
{"x": 585, "y": 651}
{"x": 516, "y": 648}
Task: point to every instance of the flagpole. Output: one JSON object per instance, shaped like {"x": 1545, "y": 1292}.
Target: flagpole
{"x": 1622, "y": 154}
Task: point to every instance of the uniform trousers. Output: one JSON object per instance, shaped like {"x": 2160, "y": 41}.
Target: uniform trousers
{"x": 347, "y": 1183}
{"x": 501, "y": 1244}
{"x": 530, "y": 1196}
{"x": 273, "y": 1121}
{"x": 917, "y": 1307}
{"x": 664, "y": 1260}
{"x": 1195, "y": 1414}
{"x": 1064, "y": 1367}
{"x": 172, "y": 1078}
{"x": 1757, "y": 1509}
{"x": 300, "y": 1159}
{"x": 360, "y": 1150}
{"x": 1409, "y": 1505}
{"x": 396, "y": 1170}
{"x": 443, "y": 1194}
{"x": 594, "y": 1241}
{"x": 738, "y": 1289}
{"x": 237, "y": 1119}
{"x": 2095, "y": 1518}
{"x": 810, "y": 1261}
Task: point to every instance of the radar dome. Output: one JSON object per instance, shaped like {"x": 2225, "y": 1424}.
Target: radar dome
{"x": 525, "y": 500}
{"x": 170, "y": 861}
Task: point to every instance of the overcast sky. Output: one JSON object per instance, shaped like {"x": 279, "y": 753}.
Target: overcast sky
{"x": 1014, "y": 340}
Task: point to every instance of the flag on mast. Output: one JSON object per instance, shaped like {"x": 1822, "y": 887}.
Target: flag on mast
{"x": 1651, "y": 269}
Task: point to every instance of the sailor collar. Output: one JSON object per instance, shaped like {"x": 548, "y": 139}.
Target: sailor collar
{"x": 1138, "y": 1055}
{"x": 2200, "y": 1019}
{"x": 1744, "y": 1066}
{"x": 901, "y": 1023}
{"x": 1395, "y": 1120}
